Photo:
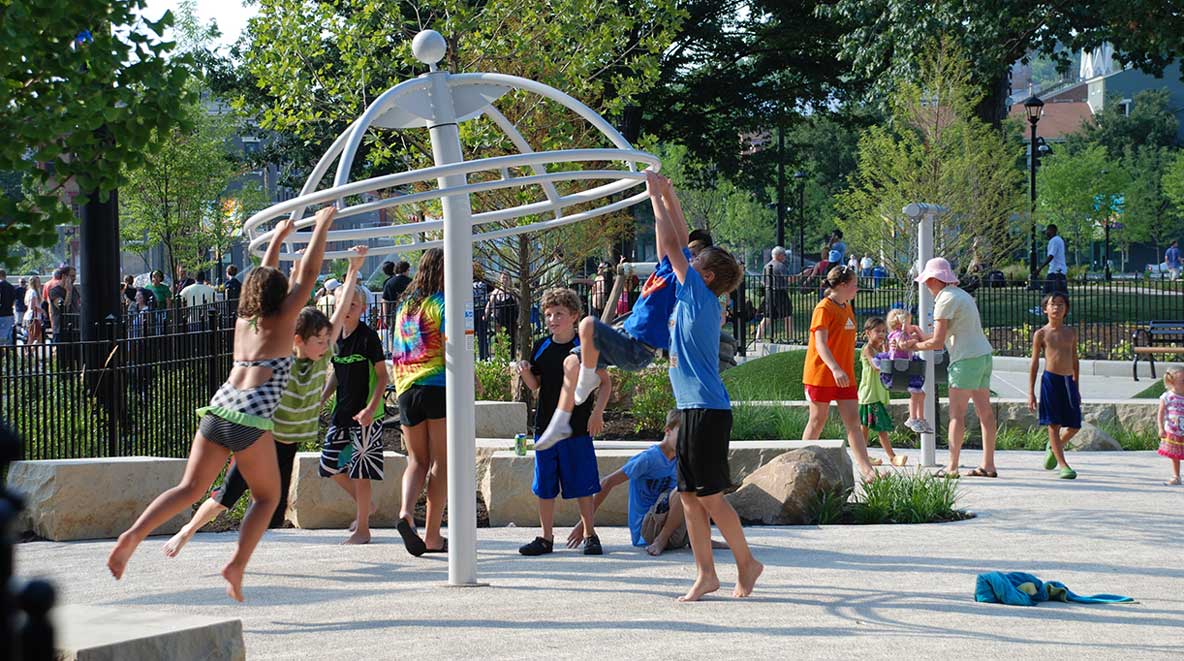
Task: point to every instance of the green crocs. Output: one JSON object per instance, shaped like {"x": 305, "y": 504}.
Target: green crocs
{"x": 1067, "y": 474}
{"x": 1050, "y": 459}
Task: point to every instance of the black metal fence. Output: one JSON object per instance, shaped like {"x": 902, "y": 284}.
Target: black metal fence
{"x": 1105, "y": 314}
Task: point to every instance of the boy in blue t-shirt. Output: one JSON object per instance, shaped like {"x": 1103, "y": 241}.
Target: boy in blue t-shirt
{"x": 632, "y": 347}
{"x": 706, "y": 426}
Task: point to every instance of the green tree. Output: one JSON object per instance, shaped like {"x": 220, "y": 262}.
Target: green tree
{"x": 1147, "y": 209}
{"x": 1173, "y": 189}
{"x": 1077, "y": 192}
{"x": 172, "y": 199}
{"x": 1151, "y": 123}
{"x": 86, "y": 84}
{"x": 884, "y": 39}
{"x": 935, "y": 150}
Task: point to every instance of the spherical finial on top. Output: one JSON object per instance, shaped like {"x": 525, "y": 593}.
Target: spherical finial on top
{"x": 429, "y": 47}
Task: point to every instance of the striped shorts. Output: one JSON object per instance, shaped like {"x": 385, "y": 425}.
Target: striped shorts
{"x": 353, "y": 451}
{"x": 230, "y": 435}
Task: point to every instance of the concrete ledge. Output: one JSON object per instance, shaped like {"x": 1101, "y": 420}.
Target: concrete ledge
{"x": 70, "y": 499}
{"x": 507, "y": 480}
{"x": 100, "y": 633}
{"x": 317, "y": 502}
{"x": 1112, "y": 368}
{"x": 501, "y": 419}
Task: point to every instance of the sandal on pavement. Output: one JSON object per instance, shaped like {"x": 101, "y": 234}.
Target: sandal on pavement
{"x": 1067, "y": 474}
{"x": 1174, "y": 482}
{"x": 982, "y": 472}
{"x": 952, "y": 475}
{"x": 411, "y": 540}
{"x": 540, "y": 546}
{"x": 443, "y": 548}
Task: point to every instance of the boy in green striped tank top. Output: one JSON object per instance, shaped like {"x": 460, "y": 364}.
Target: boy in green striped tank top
{"x": 297, "y": 419}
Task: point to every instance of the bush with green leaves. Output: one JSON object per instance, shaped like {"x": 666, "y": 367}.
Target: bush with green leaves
{"x": 896, "y": 497}
{"x": 494, "y": 374}
{"x": 647, "y": 395}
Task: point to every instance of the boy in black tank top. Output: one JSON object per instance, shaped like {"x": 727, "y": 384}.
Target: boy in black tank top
{"x": 571, "y": 464}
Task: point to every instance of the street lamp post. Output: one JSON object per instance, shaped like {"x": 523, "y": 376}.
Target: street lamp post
{"x": 780, "y": 188}
{"x": 801, "y": 179}
{"x": 1034, "y": 108}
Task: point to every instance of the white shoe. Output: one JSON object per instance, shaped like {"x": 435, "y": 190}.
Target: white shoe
{"x": 913, "y": 425}
{"x": 924, "y": 427}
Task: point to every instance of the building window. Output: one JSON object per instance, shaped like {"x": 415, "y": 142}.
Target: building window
{"x": 1125, "y": 106}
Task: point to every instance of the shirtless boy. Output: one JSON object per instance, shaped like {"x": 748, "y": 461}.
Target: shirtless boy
{"x": 1060, "y": 398}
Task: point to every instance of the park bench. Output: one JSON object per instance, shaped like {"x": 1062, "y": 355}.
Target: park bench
{"x": 1159, "y": 337}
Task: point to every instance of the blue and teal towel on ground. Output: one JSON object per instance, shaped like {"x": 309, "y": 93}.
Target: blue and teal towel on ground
{"x": 1020, "y": 589}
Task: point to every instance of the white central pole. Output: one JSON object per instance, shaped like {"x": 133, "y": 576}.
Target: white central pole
{"x": 458, "y": 333}
{"x": 925, "y": 312}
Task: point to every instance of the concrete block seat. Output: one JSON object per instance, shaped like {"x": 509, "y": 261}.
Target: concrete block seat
{"x": 317, "y": 502}
{"x": 102, "y": 633}
{"x": 507, "y": 480}
{"x": 71, "y": 499}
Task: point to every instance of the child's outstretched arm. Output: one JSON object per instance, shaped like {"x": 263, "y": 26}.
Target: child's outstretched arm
{"x": 1034, "y": 367}
{"x": 351, "y": 283}
{"x": 654, "y": 186}
{"x": 1161, "y": 417}
{"x": 301, "y": 285}
{"x": 283, "y": 230}
{"x": 678, "y": 220}
{"x": 669, "y": 238}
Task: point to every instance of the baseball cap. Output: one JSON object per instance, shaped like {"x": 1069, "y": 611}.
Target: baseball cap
{"x": 332, "y": 284}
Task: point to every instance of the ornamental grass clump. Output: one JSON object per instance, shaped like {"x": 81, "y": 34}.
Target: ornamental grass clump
{"x": 897, "y": 497}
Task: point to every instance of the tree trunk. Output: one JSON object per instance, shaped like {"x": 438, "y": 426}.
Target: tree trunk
{"x": 521, "y": 393}
{"x": 993, "y": 107}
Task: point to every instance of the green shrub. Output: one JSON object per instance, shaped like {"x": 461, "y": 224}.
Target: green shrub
{"x": 494, "y": 374}
{"x": 1011, "y": 438}
{"x": 650, "y": 396}
{"x": 897, "y": 497}
{"x": 1132, "y": 440}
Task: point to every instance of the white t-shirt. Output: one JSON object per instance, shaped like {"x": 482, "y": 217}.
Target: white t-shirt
{"x": 197, "y": 294}
{"x": 866, "y": 263}
{"x": 853, "y": 263}
{"x": 1056, "y": 250}
{"x": 965, "y": 338}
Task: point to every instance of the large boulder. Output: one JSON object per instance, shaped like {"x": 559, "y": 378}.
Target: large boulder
{"x": 69, "y": 499}
{"x": 1138, "y": 417}
{"x": 783, "y": 491}
{"x": 106, "y": 633}
{"x": 500, "y": 419}
{"x": 316, "y": 502}
{"x": 1090, "y": 438}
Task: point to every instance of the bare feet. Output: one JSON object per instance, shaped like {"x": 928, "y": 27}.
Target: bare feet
{"x": 353, "y": 525}
{"x": 358, "y": 538}
{"x": 656, "y": 548}
{"x": 172, "y": 548}
{"x": 117, "y": 561}
{"x": 234, "y": 580}
{"x": 703, "y": 586}
{"x": 746, "y": 581}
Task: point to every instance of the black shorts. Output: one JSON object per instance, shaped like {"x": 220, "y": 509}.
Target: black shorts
{"x": 778, "y": 305}
{"x": 419, "y": 403}
{"x": 703, "y": 437}
{"x": 234, "y": 485}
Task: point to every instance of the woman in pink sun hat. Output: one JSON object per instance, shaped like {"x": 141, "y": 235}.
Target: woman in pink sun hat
{"x": 958, "y": 327}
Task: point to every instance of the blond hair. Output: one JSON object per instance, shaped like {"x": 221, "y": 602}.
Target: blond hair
{"x": 897, "y": 318}
{"x": 1170, "y": 376}
{"x": 561, "y": 297}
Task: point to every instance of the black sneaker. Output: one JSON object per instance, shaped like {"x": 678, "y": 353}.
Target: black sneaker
{"x": 592, "y": 546}
{"x": 539, "y": 546}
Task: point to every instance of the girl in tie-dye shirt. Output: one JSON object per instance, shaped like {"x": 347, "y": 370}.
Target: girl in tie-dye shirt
{"x": 418, "y": 358}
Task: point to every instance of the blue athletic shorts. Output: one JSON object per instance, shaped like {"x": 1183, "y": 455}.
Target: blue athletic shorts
{"x": 619, "y": 349}
{"x": 570, "y": 463}
{"x": 1060, "y": 401}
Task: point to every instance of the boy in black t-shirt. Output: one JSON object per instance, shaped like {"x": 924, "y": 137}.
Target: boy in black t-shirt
{"x": 352, "y": 452}
{"x": 571, "y": 464}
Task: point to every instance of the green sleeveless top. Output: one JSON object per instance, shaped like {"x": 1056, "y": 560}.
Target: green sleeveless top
{"x": 298, "y": 416}
{"x": 871, "y": 389}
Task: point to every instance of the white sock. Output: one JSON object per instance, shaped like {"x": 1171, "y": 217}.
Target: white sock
{"x": 586, "y": 384}
{"x": 558, "y": 429}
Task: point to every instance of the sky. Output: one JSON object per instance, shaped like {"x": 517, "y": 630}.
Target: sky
{"x": 230, "y": 15}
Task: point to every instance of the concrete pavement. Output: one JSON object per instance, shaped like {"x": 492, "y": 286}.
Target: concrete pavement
{"x": 832, "y": 592}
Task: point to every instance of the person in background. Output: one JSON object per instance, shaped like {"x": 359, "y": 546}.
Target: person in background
{"x": 480, "y": 300}
{"x": 128, "y": 291}
{"x": 777, "y": 301}
{"x": 18, "y": 305}
{"x": 65, "y": 304}
{"x": 1058, "y": 270}
{"x": 195, "y": 297}
{"x": 7, "y": 303}
{"x": 183, "y": 280}
{"x": 865, "y": 266}
{"x": 326, "y": 302}
{"x": 502, "y": 310}
{"x": 837, "y": 244}
{"x": 233, "y": 286}
{"x": 1171, "y": 257}
{"x": 34, "y": 319}
{"x": 159, "y": 290}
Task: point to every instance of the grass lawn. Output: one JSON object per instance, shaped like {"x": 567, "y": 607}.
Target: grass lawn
{"x": 779, "y": 377}
{"x": 1153, "y": 392}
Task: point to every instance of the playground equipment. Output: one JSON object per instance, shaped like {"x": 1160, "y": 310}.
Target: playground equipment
{"x": 925, "y": 214}
{"x": 440, "y": 101}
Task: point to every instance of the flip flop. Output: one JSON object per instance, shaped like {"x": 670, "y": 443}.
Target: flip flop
{"x": 875, "y": 461}
{"x": 982, "y": 472}
{"x": 411, "y": 540}
{"x": 442, "y": 549}
{"x": 953, "y": 475}
{"x": 900, "y": 460}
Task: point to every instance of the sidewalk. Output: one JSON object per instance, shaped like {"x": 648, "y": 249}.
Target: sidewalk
{"x": 866, "y": 592}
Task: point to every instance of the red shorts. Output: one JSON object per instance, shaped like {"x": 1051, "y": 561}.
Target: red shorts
{"x": 831, "y": 393}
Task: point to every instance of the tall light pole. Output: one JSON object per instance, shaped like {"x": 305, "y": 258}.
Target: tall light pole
{"x": 780, "y": 187}
{"x": 1106, "y": 226}
{"x": 801, "y": 179}
{"x": 1034, "y": 108}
